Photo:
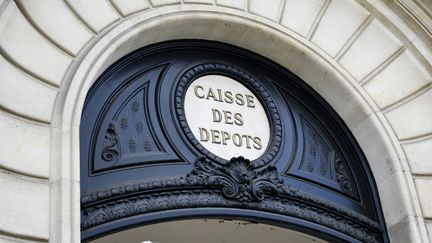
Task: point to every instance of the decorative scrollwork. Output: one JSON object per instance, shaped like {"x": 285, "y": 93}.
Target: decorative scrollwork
{"x": 135, "y": 106}
{"x": 323, "y": 163}
{"x": 132, "y": 145}
{"x": 341, "y": 175}
{"x": 236, "y": 184}
{"x": 238, "y": 178}
{"x": 111, "y": 146}
{"x": 124, "y": 123}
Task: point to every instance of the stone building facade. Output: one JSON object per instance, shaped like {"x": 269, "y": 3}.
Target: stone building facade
{"x": 369, "y": 59}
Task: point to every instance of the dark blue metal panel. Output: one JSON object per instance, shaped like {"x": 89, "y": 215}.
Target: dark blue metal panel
{"x": 141, "y": 164}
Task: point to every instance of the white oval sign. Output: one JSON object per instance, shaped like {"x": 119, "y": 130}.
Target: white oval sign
{"x": 226, "y": 117}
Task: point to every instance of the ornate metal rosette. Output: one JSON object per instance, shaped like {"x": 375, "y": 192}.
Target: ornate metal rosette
{"x": 245, "y": 79}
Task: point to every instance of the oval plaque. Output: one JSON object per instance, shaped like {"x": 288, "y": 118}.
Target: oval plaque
{"x": 226, "y": 117}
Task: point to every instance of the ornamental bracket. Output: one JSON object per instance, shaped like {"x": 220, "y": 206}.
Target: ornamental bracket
{"x": 239, "y": 179}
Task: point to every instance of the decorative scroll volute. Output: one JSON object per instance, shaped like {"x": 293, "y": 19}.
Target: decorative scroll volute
{"x": 111, "y": 147}
{"x": 239, "y": 179}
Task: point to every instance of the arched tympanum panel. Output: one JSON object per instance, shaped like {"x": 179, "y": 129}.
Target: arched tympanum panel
{"x": 144, "y": 158}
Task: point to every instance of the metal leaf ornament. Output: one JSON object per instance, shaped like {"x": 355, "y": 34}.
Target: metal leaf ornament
{"x": 239, "y": 179}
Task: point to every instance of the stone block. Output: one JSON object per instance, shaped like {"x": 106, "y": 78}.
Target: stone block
{"x": 10, "y": 239}
{"x": 429, "y": 228}
{"x": 353, "y": 109}
{"x": 239, "y": 4}
{"x": 29, "y": 48}
{"x": 268, "y": 9}
{"x": 424, "y": 186}
{"x": 23, "y": 94}
{"x": 300, "y": 15}
{"x": 25, "y": 146}
{"x": 199, "y": 1}
{"x": 61, "y": 25}
{"x": 98, "y": 14}
{"x": 396, "y": 201}
{"x": 377, "y": 148}
{"x": 374, "y": 46}
{"x": 127, "y": 7}
{"x": 412, "y": 119}
{"x": 164, "y": 2}
{"x": 405, "y": 230}
{"x": 24, "y": 207}
{"x": 399, "y": 79}
{"x": 419, "y": 156}
{"x": 338, "y": 24}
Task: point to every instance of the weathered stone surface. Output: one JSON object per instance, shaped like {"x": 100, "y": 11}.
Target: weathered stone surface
{"x": 429, "y": 228}
{"x": 127, "y": 7}
{"x": 404, "y": 230}
{"x": 378, "y": 149}
{"x": 240, "y": 4}
{"x": 60, "y": 24}
{"x": 40, "y": 57}
{"x": 24, "y": 207}
{"x": 25, "y": 95}
{"x": 25, "y": 146}
{"x": 299, "y": 16}
{"x": 402, "y": 77}
{"x": 397, "y": 209}
{"x": 338, "y": 24}
{"x": 413, "y": 118}
{"x": 424, "y": 186}
{"x": 370, "y": 50}
{"x": 96, "y": 13}
{"x": 164, "y": 2}
{"x": 267, "y": 9}
{"x": 199, "y": 1}
{"x": 419, "y": 156}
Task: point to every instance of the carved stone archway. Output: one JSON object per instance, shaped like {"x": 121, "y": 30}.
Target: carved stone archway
{"x": 375, "y": 71}
{"x": 373, "y": 133}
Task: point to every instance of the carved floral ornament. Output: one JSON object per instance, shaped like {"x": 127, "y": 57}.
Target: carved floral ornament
{"x": 238, "y": 178}
{"x": 236, "y": 184}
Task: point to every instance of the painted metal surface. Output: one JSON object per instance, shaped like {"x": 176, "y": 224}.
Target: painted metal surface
{"x": 142, "y": 163}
